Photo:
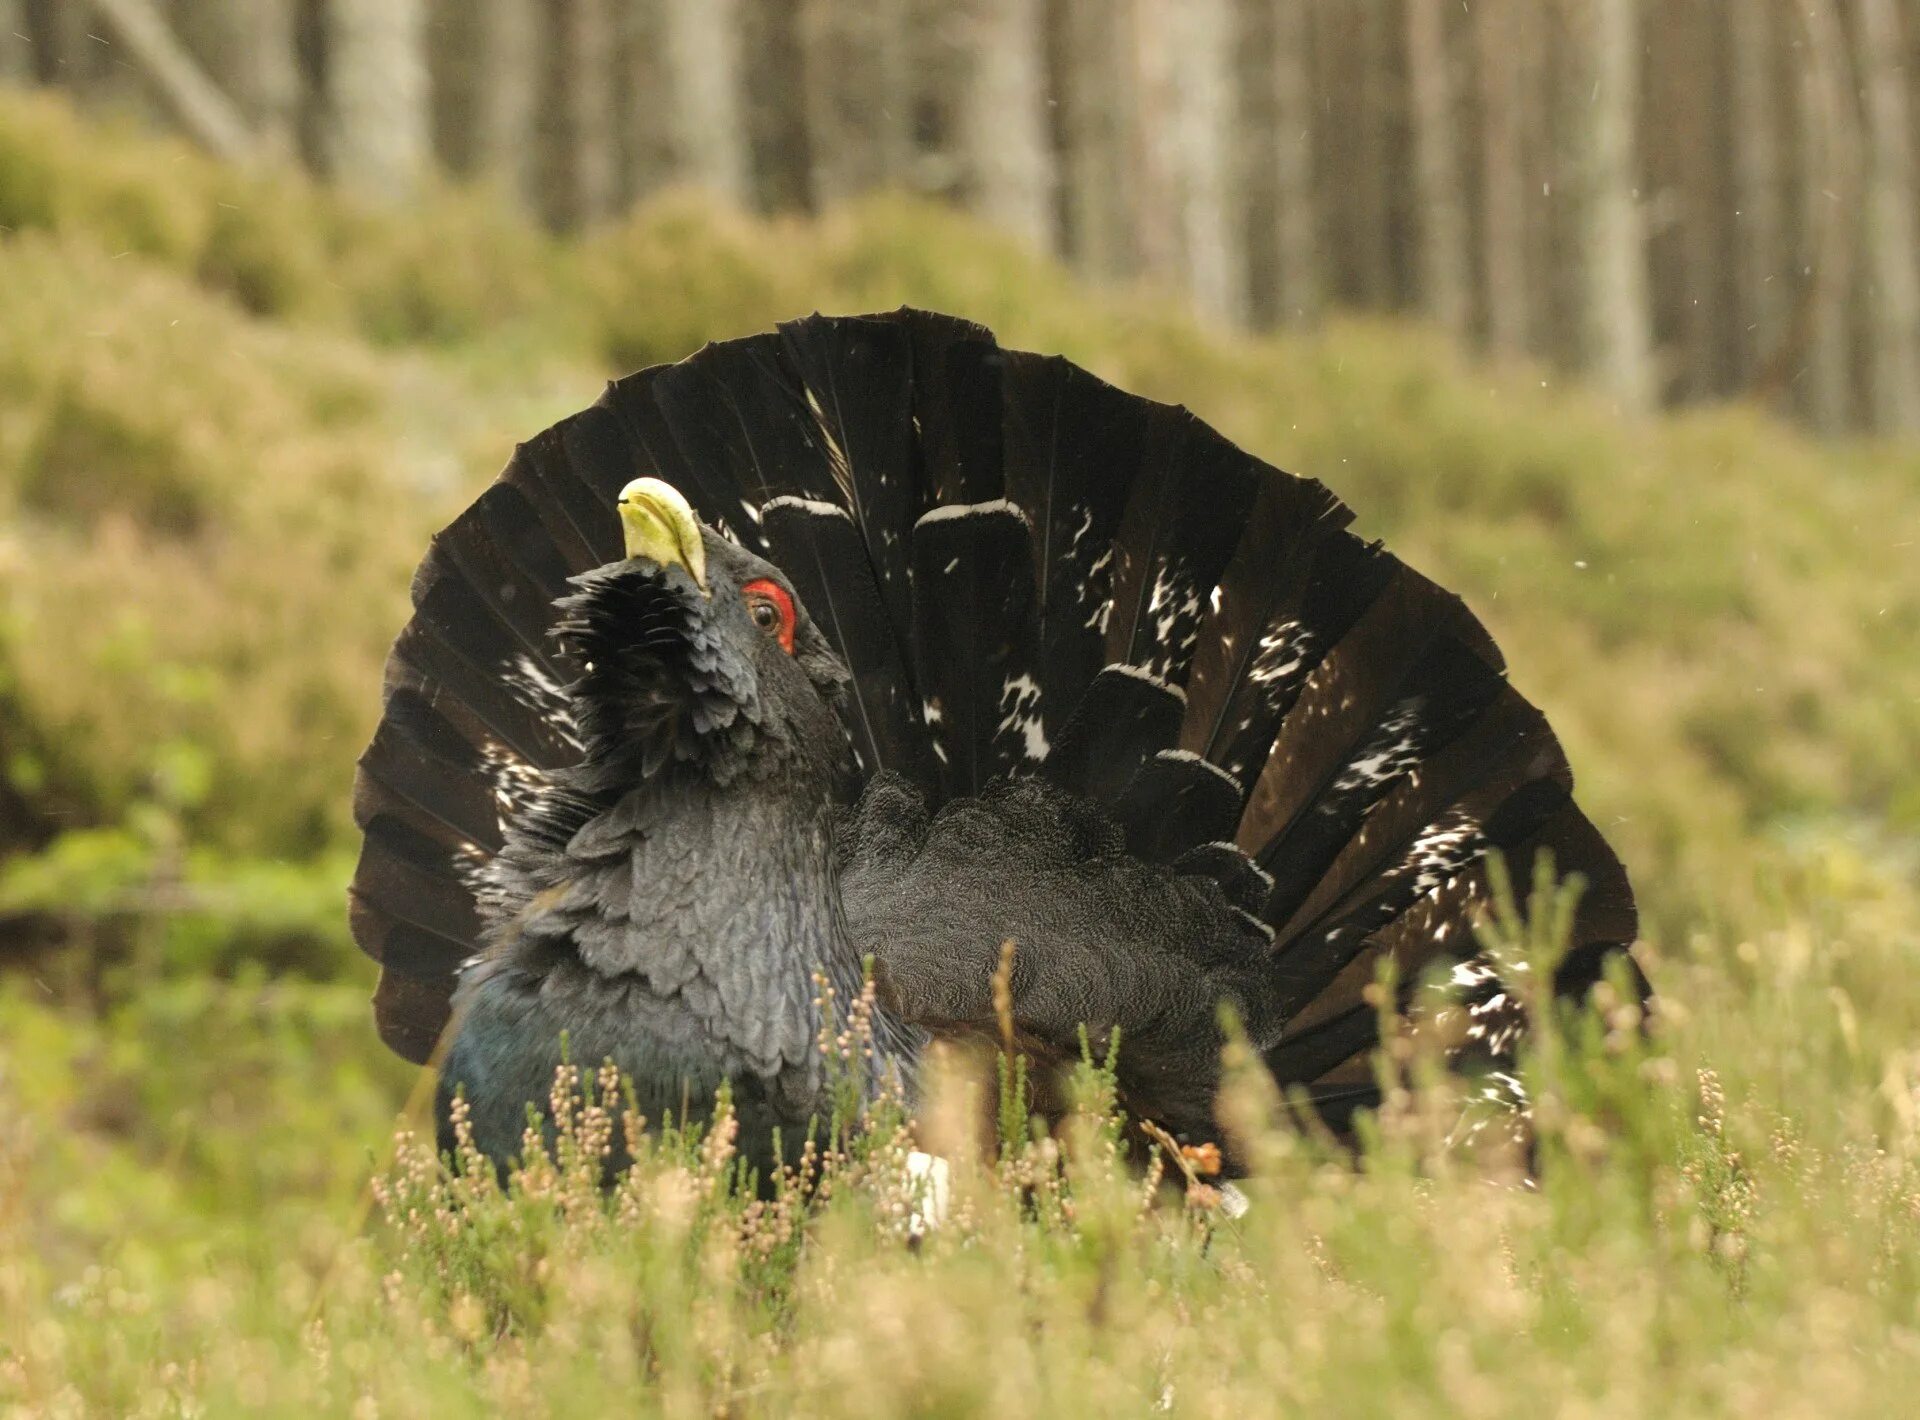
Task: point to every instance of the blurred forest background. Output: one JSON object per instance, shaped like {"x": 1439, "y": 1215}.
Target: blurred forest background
{"x": 1682, "y": 200}
{"x": 1602, "y": 313}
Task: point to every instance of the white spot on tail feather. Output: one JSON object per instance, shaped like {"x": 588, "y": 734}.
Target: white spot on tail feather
{"x": 816, "y": 507}
{"x": 1085, "y": 511}
{"x": 1020, "y": 714}
{"x": 1282, "y": 652}
{"x": 1187, "y": 756}
{"x": 953, "y": 512}
{"x": 1386, "y": 756}
{"x": 1144, "y": 673}
{"x": 534, "y": 687}
{"x": 1101, "y": 614}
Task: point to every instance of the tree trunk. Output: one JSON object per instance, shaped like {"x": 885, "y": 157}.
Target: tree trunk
{"x": 16, "y": 44}
{"x": 1442, "y": 218}
{"x": 708, "y": 126}
{"x": 1758, "y": 160}
{"x": 376, "y": 127}
{"x": 1503, "y": 63}
{"x": 577, "y": 149}
{"x": 247, "y": 49}
{"x": 643, "y": 94}
{"x": 1389, "y": 180}
{"x": 775, "y": 104}
{"x": 1096, "y": 86}
{"x": 1276, "y": 161}
{"x": 485, "y": 83}
{"x": 1361, "y": 109}
{"x": 1000, "y": 142}
{"x": 945, "y": 39}
{"x": 1817, "y": 359}
{"x": 63, "y": 52}
{"x": 143, "y": 45}
{"x": 859, "y": 95}
{"x": 1892, "y": 265}
{"x": 683, "y": 119}
{"x": 1610, "y": 291}
{"x": 1687, "y": 170}
{"x": 1187, "y": 118}
{"x": 1296, "y": 225}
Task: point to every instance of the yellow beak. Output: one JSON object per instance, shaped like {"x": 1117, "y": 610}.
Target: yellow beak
{"x": 659, "y": 524}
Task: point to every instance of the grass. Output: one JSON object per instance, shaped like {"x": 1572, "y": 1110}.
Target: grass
{"x": 231, "y": 409}
{"x": 1727, "y": 1219}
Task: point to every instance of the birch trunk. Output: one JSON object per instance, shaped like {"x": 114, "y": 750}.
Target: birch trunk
{"x": 1442, "y": 219}
{"x": 1758, "y": 160}
{"x": 683, "y": 117}
{"x": 1612, "y": 329}
{"x": 707, "y": 120}
{"x": 247, "y": 48}
{"x": 1506, "y": 270}
{"x": 1187, "y": 117}
{"x": 1096, "y": 81}
{"x": 859, "y": 95}
{"x": 16, "y": 45}
{"x": 1000, "y": 141}
{"x": 1819, "y": 360}
{"x": 1891, "y": 268}
{"x": 1296, "y": 228}
{"x": 375, "y": 127}
{"x": 485, "y": 84}
{"x": 774, "y": 104}
{"x": 575, "y": 125}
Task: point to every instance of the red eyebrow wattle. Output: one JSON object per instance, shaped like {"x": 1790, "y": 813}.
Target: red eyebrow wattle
{"x": 773, "y": 592}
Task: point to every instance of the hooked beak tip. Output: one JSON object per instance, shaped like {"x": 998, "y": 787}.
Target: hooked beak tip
{"x": 658, "y": 523}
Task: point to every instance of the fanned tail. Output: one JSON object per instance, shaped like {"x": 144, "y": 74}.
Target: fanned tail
{"x": 1027, "y": 571}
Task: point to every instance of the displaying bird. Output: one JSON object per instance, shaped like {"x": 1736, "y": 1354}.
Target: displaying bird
{"x": 867, "y": 637}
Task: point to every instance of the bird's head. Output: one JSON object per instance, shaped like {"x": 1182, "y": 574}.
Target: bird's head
{"x": 694, "y": 651}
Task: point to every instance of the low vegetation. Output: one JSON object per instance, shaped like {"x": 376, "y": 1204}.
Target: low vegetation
{"x": 233, "y": 406}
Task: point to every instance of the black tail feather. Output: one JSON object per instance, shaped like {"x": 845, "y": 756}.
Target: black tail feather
{"x": 1177, "y": 803}
{"x": 499, "y": 550}
{"x": 956, "y": 408}
{"x": 419, "y": 760}
{"x": 858, "y": 375}
{"x": 581, "y": 464}
{"x": 736, "y": 409}
{"x": 424, "y": 660}
{"x": 1186, "y": 512}
{"x": 820, "y": 549}
{"x": 1290, "y": 597}
{"x": 1430, "y": 823}
{"x": 1244, "y": 882}
{"x": 974, "y": 642}
{"x": 1441, "y": 695}
{"x": 412, "y": 881}
{"x": 1073, "y": 450}
{"x": 1127, "y": 716}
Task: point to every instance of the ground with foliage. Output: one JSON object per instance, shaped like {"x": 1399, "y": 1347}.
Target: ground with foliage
{"x": 232, "y": 407}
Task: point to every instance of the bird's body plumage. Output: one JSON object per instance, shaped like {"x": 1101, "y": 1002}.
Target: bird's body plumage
{"x": 1068, "y": 670}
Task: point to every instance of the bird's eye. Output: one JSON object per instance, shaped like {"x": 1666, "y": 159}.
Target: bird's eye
{"x": 771, "y": 609}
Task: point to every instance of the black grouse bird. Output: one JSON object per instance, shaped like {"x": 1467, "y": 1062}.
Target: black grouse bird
{"x": 965, "y": 647}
